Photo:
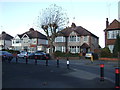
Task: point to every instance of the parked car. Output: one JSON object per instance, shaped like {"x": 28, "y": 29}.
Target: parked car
{"x": 6, "y": 55}
{"x": 23, "y": 54}
{"x": 89, "y": 54}
{"x": 40, "y": 55}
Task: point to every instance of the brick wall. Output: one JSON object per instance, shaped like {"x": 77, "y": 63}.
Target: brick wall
{"x": 110, "y": 41}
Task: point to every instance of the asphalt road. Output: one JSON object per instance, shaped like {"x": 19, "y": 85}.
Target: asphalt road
{"x": 81, "y": 74}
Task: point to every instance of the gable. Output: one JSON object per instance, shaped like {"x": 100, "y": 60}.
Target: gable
{"x": 114, "y": 25}
{"x": 73, "y": 33}
{"x": 16, "y": 37}
{"x": 25, "y": 36}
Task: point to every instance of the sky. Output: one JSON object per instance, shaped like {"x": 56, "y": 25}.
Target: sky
{"x": 16, "y": 17}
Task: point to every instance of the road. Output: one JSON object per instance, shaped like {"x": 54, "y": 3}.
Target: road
{"x": 81, "y": 74}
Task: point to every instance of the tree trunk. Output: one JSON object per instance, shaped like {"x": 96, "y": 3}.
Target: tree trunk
{"x": 51, "y": 49}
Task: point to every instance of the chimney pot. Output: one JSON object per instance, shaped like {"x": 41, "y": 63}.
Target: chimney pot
{"x": 73, "y": 25}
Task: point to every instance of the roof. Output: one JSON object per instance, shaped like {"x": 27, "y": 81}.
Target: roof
{"x": 85, "y": 45}
{"x": 33, "y": 34}
{"x": 5, "y": 36}
{"x": 78, "y": 29}
{"x": 114, "y": 25}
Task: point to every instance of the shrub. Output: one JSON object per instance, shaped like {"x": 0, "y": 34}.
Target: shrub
{"x": 62, "y": 54}
{"x": 105, "y": 52}
{"x": 116, "y": 49}
{"x": 11, "y": 51}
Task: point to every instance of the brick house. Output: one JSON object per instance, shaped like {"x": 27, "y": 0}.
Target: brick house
{"x": 5, "y": 40}
{"x": 31, "y": 41}
{"x": 111, "y": 31}
{"x": 76, "y": 39}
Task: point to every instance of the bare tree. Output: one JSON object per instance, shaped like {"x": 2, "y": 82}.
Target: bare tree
{"x": 52, "y": 20}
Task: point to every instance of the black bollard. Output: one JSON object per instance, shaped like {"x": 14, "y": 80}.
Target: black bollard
{"x": 35, "y": 60}
{"x": 46, "y": 62}
{"x": 26, "y": 60}
{"x": 117, "y": 78}
{"x": 101, "y": 72}
{"x": 16, "y": 59}
{"x": 67, "y": 63}
{"x": 57, "y": 62}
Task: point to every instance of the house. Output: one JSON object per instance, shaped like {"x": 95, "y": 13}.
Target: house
{"x": 111, "y": 31}
{"x": 5, "y": 40}
{"x": 31, "y": 41}
{"x": 76, "y": 39}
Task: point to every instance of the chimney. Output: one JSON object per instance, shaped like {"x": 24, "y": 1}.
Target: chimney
{"x": 31, "y": 29}
{"x": 3, "y": 32}
{"x": 107, "y": 23}
{"x": 73, "y": 25}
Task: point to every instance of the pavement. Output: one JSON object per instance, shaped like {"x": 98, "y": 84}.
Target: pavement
{"x": 81, "y": 74}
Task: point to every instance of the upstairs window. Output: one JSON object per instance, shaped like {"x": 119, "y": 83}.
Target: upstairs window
{"x": 85, "y": 38}
{"x": 60, "y": 39}
{"x": 113, "y": 34}
{"x": 72, "y": 38}
{"x": 17, "y": 41}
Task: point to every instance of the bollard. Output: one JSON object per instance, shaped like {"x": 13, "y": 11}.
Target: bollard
{"x": 101, "y": 72}
{"x": 117, "y": 78}
{"x": 67, "y": 63}
{"x": 35, "y": 60}
{"x": 46, "y": 62}
{"x": 92, "y": 58}
{"x": 26, "y": 59}
{"x": 16, "y": 59}
{"x": 57, "y": 62}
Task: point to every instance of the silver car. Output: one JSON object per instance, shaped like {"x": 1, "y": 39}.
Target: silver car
{"x": 23, "y": 54}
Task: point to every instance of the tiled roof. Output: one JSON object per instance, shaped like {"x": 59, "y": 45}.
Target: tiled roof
{"x": 78, "y": 29}
{"x": 85, "y": 45}
{"x": 34, "y": 34}
{"x": 5, "y": 36}
{"x": 114, "y": 25}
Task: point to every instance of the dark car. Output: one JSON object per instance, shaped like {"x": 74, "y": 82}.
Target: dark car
{"x": 39, "y": 55}
{"x": 6, "y": 55}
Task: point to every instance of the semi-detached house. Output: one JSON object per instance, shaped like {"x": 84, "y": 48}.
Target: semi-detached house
{"x": 5, "y": 40}
{"x": 76, "y": 39}
{"x": 31, "y": 41}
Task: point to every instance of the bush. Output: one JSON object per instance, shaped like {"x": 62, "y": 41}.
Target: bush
{"x": 62, "y": 54}
{"x": 116, "y": 49}
{"x": 105, "y": 52}
{"x": 11, "y": 51}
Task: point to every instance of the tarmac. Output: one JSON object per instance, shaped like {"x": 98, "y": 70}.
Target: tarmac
{"x": 22, "y": 75}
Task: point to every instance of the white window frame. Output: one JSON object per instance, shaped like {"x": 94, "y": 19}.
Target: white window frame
{"x": 113, "y": 34}
{"x": 85, "y": 38}
{"x": 111, "y": 47}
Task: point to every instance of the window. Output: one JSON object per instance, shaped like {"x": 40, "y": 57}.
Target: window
{"x": 17, "y": 41}
{"x": 78, "y": 49}
{"x": 78, "y": 38}
{"x": 72, "y": 38}
{"x": 113, "y": 34}
{"x": 34, "y": 41}
{"x": 13, "y": 41}
{"x": 25, "y": 40}
{"x": 59, "y": 48}
{"x": 111, "y": 48}
{"x": 85, "y": 38}
{"x": 74, "y": 49}
{"x": 60, "y": 39}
